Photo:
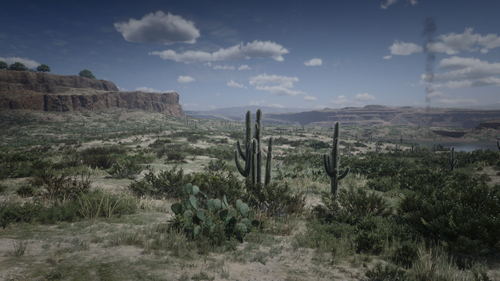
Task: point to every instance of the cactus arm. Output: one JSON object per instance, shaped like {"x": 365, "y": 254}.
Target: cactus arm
{"x": 344, "y": 174}
{"x": 254, "y": 161}
{"x": 498, "y": 145}
{"x": 326, "y": 165}
{"x": 240, "y": 151}
{"x": 453, "y": 161}
{"x": 268, "y": 162}
{"x": 244, "y": 172}
{"x": 258, "y": 153}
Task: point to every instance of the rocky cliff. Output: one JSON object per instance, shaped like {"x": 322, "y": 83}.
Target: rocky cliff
{"x": 52, "y": 92}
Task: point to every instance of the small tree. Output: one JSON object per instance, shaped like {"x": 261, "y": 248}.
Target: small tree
{"x": 18, "y": 66}
{"x": 86, "y": 73}
{"x": 3, "y": 65}
{"x": 43, "y": 68}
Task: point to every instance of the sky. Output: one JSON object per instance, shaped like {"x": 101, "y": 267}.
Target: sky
{"x": 300, "y": 54}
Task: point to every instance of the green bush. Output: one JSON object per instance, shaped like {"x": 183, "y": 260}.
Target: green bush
{"x": 383, "y": 184}
{"x": 2, "y": 188}
{"x": 61, "y": 187}
{"x": 125, "y": 169}
{"x": 405, "y": 254}
{"x": 26, "y": 191}
{"x": 387, "y": 273}
{"x": 457, "y": 210}
{"x": 15, "y": 212}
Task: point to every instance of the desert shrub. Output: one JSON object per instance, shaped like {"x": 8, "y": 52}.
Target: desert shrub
{"x": 275, "y": 199}
{"x": 352, "y": 205}
{"x": 26, "y": 191}
{"x": 387, "y": 273}
{"x": 165, "y": 183}
{"x": 159, "y": 143}
{"x": 312, "y": 160}
{"x": 383, "y": 184}
{"x": 104, "y": 204}
{"x": 59, "y": 212}
{"x": 372, "y": 231}
{"x": 459, "y": 211}
{"x": 318, "y": 144}
{"x": 359, "y": 144}
{"x": 125, "y": 169}
{"x": 175, "y": 156}
{"x": 405, "y": 254}
{"x": 15, "y": 212}
{"x": 2, "y": 188}
{"x": 414, "y": 178}
{"x": 63, "y": 186}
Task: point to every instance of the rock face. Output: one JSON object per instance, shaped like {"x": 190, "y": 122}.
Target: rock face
{"x": 51, "y": 92}
{"x": 15, "y": 81}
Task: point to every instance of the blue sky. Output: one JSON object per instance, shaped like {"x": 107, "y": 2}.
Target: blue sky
{"x": 303, "y": 54}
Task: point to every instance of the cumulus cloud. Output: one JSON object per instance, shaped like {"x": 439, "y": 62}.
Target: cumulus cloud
{"x": 466, "y": 69}
{"x": 392, "y": 2}
{"x": 185, "y": 79}
{"x": 233, "y": 84}
{"x": 159, "y": 28}
{"x": 244, "y": 67}
{"x": 27, "y": 62}
{"x": 458, "y": 101}
{"x": 256, "y": 49}
{"x": 276, "y": 105}
{"x": 404, "y": 49}
{"x": 387, "y": 57}
{"x": 435, "y": 95}
{"x": 314, "y": 62}
{"x": 282, "y": 89}
{"x": 254, "y": 103}
{"x": 188, "y": 104}
{"x": 224, "y": 67}
{"x": 310, "y": 98}
{"x": 451, "y": 44}
{"x": 146, "y": 89}
{"x": 364, "y": 97}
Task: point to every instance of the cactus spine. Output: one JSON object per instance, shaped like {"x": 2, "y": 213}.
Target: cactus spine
{"x": 453, "y": 161}
{"x": 253, "y": 155}
{"x": 331, "y": 163}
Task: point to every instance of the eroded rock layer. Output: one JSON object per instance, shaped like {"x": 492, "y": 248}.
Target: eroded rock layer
{"x": 52, "y": 92}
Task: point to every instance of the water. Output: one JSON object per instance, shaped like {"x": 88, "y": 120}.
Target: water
{"x": 460, "y": 146}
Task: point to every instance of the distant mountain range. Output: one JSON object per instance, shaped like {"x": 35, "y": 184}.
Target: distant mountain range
{"x": 369, "y": 115}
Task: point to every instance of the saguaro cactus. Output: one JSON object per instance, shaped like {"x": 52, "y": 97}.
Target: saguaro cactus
{"x": 253, "y": 155}
{"x": 453, "y": 161}
{"x": 498, "y": 145}
{"x": 332, "y": 163}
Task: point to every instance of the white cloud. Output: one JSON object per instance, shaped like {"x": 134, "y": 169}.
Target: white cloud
{"x": 458, "y": 101}
{"x": 211, "y": 107}
{"x": 188, "y": 104}
{"x": 209, "y": 64}
{"x": 253, "y": 103}
{"x": 233, "y": 84}
{"x": 122, "y": 89}
{"x": 224, "y": 67}
{"x": 27, "y": 62}
{"x": 392, "y": 2}
{"x": 404, "y": 49}
{"x": 465, "y": 69}
{"x": 341, "y": 97}
{"x": 436, "y": 95}
{"x": 282, "y": 89}
{"x": 364, "y": 97}
{"x": 218, "y": 94}
{"x": 276, "y": 105}
{"x": 489, "y": 41}
{"x": 388, "y": 3}
{"x": 159, "y": 28}
{"x": 309, "y": 98}
{"x": 185, "y": 79}
{"x": 186, "y": 57}
{"x": 256, "y": 49}
{"x": 387, "y": 57}
{"x": 148, "y": 90}
{"x": 244, "y": 67}
{"x": 313, "y": 62}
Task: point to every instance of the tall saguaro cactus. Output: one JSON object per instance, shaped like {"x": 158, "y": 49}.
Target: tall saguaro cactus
{"x": 453, "y": 161}
{"x": 331, "y": 163}
{"x": 253, "y": 155}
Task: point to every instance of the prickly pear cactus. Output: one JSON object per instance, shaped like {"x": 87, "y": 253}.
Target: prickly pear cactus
{"x": 198, "y": 221}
